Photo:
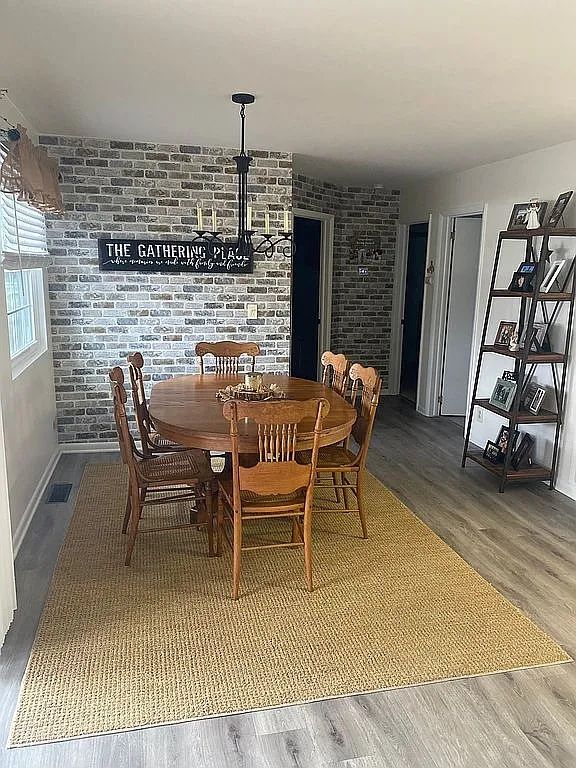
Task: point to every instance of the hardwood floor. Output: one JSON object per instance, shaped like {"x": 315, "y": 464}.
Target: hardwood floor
{"x": 523, "y": 541}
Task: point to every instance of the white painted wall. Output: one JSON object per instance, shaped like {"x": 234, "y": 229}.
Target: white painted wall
{"x": 28, "y": 439}
{"x": 543, "y": 174}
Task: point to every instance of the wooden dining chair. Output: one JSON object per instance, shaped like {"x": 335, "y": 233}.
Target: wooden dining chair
{"x": 151, "y": 441}
{"x": 335, "y": 372}
{"x": 347, "y": 467}
{"x": 170, "y": 478}
{"x": 227, "y": 355}
{"x": 274, "y": 485}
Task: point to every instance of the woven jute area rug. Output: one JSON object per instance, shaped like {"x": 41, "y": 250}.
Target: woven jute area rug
{"x": 161, "y": 641}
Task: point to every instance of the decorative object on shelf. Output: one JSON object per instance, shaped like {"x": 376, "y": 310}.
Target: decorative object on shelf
{"x": 522, "y": 212}
{"x": 514, "y": 345}
{"x": 504, "y": 334}
{"x": 509, "y": 375}
{"x": 527, "y": 395}
{"x": 522, "y": 282}
{"x": 539, "y": 341}
{"x": 523, "y": 453}
{"x": 242, "y": 392}
{"x": 559, "y": 208}
{"x": 492, "y": 452}
{"x": 503, "y": 394}
{"x": 503, "y": 439}
{"x": 536, "y": 402}
{"x": 552, "y": 275}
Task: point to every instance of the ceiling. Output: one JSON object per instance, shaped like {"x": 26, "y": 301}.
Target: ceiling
{"x": 364, "y": 92}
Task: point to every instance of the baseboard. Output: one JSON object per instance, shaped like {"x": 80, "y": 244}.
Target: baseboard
{"x": 88, "y": 447}
{"x": 23, "y": 525}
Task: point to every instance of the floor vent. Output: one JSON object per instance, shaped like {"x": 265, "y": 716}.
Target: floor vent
{"x": 59, "y": 493}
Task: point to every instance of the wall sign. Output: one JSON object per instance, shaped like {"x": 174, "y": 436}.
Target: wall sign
{"x": 172, "y": 256}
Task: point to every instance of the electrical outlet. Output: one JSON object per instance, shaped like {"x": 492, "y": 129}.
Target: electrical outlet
{"x": 480, "y": 414}
{"x": 252, "y": 311}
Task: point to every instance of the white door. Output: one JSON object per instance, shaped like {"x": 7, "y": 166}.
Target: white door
{"x": 465, "y": 258}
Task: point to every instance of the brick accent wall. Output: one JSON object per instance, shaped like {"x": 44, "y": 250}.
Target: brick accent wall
{"x": 135, "y": 189}
{"x": 361, "y": 305}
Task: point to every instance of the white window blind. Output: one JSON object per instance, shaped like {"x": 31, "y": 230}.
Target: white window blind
{"x": 22, "y": 228}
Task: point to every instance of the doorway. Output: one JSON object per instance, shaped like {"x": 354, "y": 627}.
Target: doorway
{"x": 413, "y": 307}
{"x": 311, "y": 294}
{"x": 463, "y": 265}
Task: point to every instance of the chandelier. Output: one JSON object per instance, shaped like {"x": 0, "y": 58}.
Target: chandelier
{"x": 248, "y": 242}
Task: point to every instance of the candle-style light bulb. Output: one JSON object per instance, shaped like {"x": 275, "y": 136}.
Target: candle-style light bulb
{"x": 249, "y": 218}
{"x": 286, "y": 224}
{"x": 267, "y": 221}
{"x": 214, "y": 220}
{"x": 199, "y": 218}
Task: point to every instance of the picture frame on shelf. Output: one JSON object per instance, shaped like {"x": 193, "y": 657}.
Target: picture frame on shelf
{"x": 492, "y": 453}
{"x": 552, "y": 275}
{"x": 540, "y": 341}
{"x": 536, "y": 402}
{"x": 522, "y": 282}
{"x": 503, "y": 394}
{"x": 520, "y": 212}
{"x": 505, "y": 332}
{"x": 522, "y": 456}
{"x": 528, "y": 268}
{"x": 509, "y": 375}
{"x": 527, "y": 395}
{"x": 503, "y": 439}
{"x": 558, "y": 208}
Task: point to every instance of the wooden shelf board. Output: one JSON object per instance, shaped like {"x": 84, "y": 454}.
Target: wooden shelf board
{"x": 533, "y": 357}
{"x": 534, "y": 472}
{"x": 524, "y": 417}
{"x": 524, "y": 234}
{"x": 499, "y": 293}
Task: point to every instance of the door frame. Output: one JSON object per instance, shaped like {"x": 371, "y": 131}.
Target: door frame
{"x": 439, "y": 307}
{"x": 325, "y": 290}
{"x": 398, "y": 295}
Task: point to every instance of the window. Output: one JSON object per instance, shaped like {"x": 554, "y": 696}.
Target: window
{"x": 22, "y": 246}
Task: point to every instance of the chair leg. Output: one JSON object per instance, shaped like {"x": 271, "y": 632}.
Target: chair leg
{"x": 219, "y": 522}
{"x": 347, "y": 492}
{"x": 210, "y": 519}
{"x": 126, "y": 514}
{"x": 134, "y": 520}
{"x": 308, "y": 551}
{"x": 340, "y": 495}
{"x": 237, "y": 554}
{"x": 359, "y": 484}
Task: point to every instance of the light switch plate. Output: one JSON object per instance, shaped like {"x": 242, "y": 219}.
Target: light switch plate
{"x": 252, "y": 311}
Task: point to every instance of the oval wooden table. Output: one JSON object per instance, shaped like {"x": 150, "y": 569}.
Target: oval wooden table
{"x": 185, "y": 409}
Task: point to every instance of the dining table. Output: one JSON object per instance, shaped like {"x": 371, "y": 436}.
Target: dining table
{"x": 188, "y": 411}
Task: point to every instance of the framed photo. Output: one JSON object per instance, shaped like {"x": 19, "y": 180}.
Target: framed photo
{"x": 503, "y": 394}
{"x": 492, "y": 452}
{"x": 522, "y": 454}
{"x": 536, "y": 402}
{"x": 552, "y": 275}
{"x": 559, "y": 208}
{"x": 503, "y": 439}
{"x": 527, "y": 395}
{"x": 519, "y": 216}
{"x": 509, "y": 375}
{"x": 505, "y": 332}
{"x": 528, "y": 268}
{"x": 522, "y": 282}
{"x": 539, "y": 341}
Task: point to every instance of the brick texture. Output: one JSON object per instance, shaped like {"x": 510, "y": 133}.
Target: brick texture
{"x": 361, "y": 305}
{"x": 134, "y": 189}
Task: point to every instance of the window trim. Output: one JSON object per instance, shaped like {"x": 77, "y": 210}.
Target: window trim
{"x": 26, "y": 357}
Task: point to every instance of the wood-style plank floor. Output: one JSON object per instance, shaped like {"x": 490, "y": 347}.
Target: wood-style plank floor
{"x": 524, "y": 542}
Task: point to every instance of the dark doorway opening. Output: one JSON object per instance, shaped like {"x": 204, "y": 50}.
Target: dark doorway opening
{"x": 305, "y": 298}
{"x": 413, "y": 304}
